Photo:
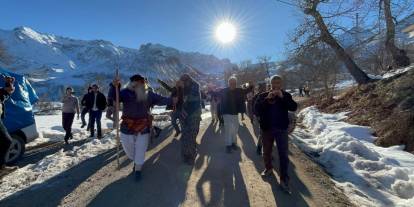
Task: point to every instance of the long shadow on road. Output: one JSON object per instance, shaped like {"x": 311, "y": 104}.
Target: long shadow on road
{"x": 164, "y": 182}
{"x": 221, "y": 184}
{"x": 55, "y": 189}
{"x": 299, "y": 190}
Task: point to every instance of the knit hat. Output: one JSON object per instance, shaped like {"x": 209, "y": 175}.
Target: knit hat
{"x": 137, "y": 77}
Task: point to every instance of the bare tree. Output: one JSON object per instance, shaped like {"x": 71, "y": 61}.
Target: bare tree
{"x": 264, "y": 62}
{"x": 357, "y": 73}
{"x": 400, "y": 58}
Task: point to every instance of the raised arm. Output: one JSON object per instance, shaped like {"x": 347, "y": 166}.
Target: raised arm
{"x": 159, "y": 100}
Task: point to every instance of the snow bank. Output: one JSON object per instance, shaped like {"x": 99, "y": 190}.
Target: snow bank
{"x": 397, "y": 71}
{"x": 370, "y": 175}
{"x": 52, "y": 165}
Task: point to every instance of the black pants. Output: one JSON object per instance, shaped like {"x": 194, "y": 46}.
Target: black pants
{"x": 67, "y": 121}
{"x": 83, "y": 114}
{"x": 5, "y": 142}
{"x": 281, "y": 137}
{"x": 95, "y": 117}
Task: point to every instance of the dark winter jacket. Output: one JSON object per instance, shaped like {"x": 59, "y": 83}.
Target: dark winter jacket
{"x": 100, "y": 101}
{"x": 4, "y": 95}
{"x": 232, "y": 102}
{"x": 273, "y": 114}
{"x": 83, "y": 101}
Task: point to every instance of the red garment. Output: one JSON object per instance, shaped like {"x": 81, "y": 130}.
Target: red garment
{"x": 137, "y": 125}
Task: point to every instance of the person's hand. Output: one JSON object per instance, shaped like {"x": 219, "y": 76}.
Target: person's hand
{"x": 278, "y": 93}
{"x": 270, "y": 95}
{"x": 9, "y": 84}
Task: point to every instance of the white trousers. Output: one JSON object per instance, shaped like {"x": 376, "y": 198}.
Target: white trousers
{"x": 231, "y": 128}
{"x": 135, "y": 147}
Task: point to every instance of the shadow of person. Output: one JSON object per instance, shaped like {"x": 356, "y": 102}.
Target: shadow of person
{"x": 281, "y": 198}
{"x": 164, "y": 182}
{"x": 221, "y": 184}
{"x": 59, "y": 186}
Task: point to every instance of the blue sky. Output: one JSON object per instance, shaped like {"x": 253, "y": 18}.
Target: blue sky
{"x": 187, "y": 25}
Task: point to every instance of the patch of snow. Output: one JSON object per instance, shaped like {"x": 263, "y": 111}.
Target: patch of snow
{"x": 397, "y": 71}
{"x": 370, "y": 175}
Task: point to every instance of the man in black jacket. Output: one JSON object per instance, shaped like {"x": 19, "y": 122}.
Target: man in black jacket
{"x": 272, "y": 109}
{"x": 5, "y": 138}
{"x": 85, "y": 110}
{"x": 95, "y": 103}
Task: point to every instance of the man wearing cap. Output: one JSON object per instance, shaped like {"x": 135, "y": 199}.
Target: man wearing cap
{"x": 136, "y": 118}
{"x": 190, "y": 116}
{"x": 96, "y": 103}
{"x": 70, "y": 107}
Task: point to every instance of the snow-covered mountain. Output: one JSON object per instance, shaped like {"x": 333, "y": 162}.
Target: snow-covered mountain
{"x": 52, "y": 62}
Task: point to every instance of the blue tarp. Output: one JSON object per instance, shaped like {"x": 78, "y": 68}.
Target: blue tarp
{"x": 19, "y": 107}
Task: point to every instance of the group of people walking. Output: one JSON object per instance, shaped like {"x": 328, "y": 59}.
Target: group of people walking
{"x": 267, "y": 107}
{"x": 93, "y": 102}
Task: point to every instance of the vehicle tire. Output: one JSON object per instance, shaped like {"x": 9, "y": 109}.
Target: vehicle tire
{"x": 16, "y": 150}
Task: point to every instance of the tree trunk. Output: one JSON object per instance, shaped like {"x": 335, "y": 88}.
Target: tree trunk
{"x": 400, "y": 58}
{"x": 360, "y": 76}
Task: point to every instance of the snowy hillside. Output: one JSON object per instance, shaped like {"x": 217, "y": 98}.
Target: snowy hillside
{"x": 52, "y": 62}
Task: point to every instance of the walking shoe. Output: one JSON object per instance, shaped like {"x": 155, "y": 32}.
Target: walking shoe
{"x": 259, "y": 150}
{"x": 234, "y": 146}
{"x": 177, "y": 134}
{"x": 267, "y": 172}
{"x": 66, "y": 139}
{"x": 228, "y": 149}
{"x": 83, "y": 125}
{"x": 99, "y": 137}
{"x": 138, "y": 175}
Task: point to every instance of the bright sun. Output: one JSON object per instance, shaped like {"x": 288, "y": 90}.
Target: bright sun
{"x": 226, "y": 32}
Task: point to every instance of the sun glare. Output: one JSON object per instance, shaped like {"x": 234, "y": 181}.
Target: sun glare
{"x": 226, "y": 32}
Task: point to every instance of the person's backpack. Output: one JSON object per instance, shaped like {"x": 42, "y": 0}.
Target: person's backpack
{"x": 292, "y": 122}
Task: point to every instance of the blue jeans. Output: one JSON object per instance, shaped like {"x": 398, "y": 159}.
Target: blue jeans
{"x": 95, "y": 116}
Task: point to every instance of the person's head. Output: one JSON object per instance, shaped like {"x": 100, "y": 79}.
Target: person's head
{"x": 232, "y": 82}
{"x": 69, "y": 91}
{"x": 276, "y": 82}
{"x": 95, "y": 88}
{"x": 137, "y": 84}
{"x": 90, "y": 89}
{"x": 186, "y": 79}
